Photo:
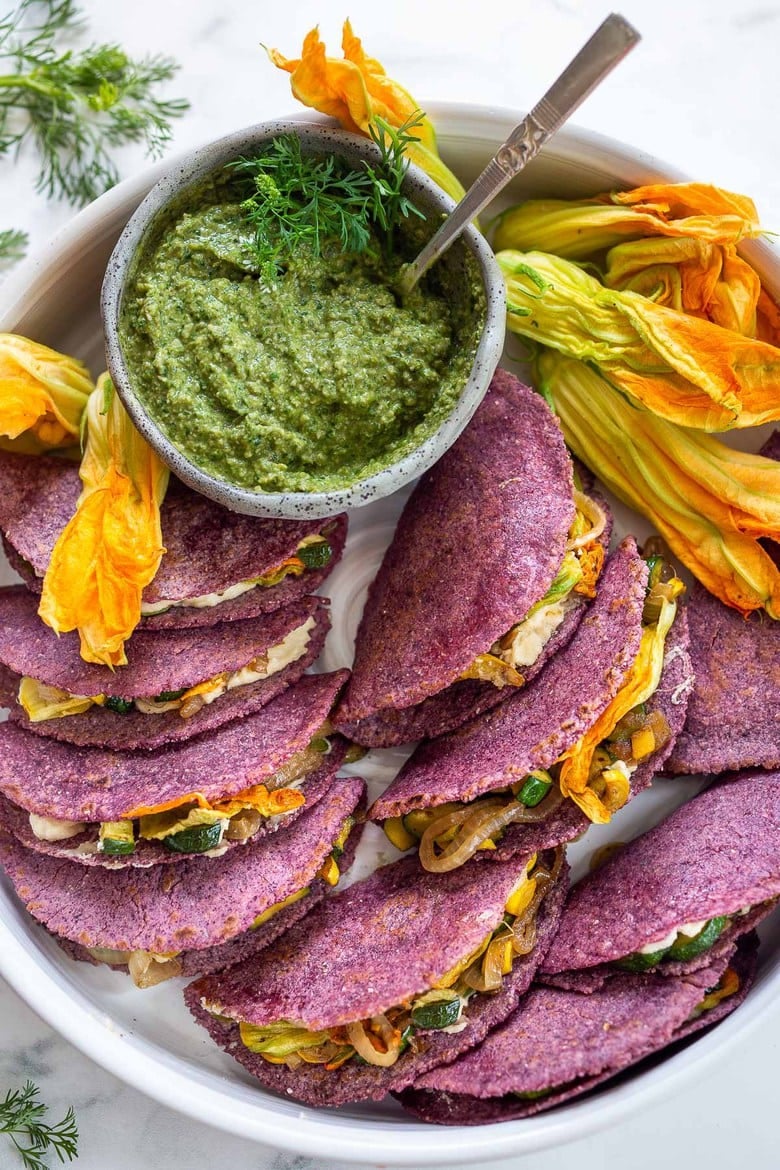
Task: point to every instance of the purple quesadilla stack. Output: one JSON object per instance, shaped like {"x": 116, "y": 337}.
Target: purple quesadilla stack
{"x": 218, "y": 565}
{"x": 178, "y": 682}
{"x": 559, "y": 1044}
{"x": 159, "y": 922}
{"x": 573, "y": 746}
{"x": 654, "y": 945}
{"x": 488, "y": 574}
{"x": 679, "y": 897}
{"x": 249, "y": 779}
{"x": 402, "y": 972}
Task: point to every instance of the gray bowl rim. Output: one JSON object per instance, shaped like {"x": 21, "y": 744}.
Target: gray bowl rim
{"x": 187, "y": 171}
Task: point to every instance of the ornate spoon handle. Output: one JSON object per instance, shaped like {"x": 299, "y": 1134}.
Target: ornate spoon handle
{"x": 610, "y": 43}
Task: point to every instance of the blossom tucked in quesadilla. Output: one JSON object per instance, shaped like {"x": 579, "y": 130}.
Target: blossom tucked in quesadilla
{"x": 159, "y": 922}
{"x": 572, "y": 747}
{"x": 179, "y": 683}
{"x": 490, "y": 570}
{"x": 678, "y": 897}
{"x": 441, "y": 960}
{"x": 252, "y": 777}
{"x": 218, "y": 565}
{"x": 559, "y": 1044}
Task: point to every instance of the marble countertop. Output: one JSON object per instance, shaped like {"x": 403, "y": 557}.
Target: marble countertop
{"x": 701, "y": 92}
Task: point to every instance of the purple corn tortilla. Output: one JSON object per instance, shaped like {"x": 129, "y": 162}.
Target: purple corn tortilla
{"x": 569, "y": 821}
{"x": 714, "y": 856}
{"x": 734, "y": 714}
{"x": 408, "y": 929}
{"x": 99, "y": 727}
{"x": 575, "y": 1042}
{"x": 89, "y": 784}
{"x": 194, "y": 907}
{"x": 82, "y": 848}
{"x": 168, "y": 660}
{"x": 209, "y": 548}
{"x": 533, "y": 727}
{"x": 478, "y": 543}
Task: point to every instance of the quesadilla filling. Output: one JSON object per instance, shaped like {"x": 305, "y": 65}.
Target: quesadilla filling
{"x": 42, "y": 702}
{"x": 580, "y": 569}
{"x": 681, "y": 944}
{"x": 314, "y": 552}
{"x": 595, "y": 773}
{"x": 148, "y": 968}
{"x": 192, "y": 823}
{"x": 383, "y": 1038}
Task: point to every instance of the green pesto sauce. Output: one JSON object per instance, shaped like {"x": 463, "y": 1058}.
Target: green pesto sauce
{"x": 306, "y": 383}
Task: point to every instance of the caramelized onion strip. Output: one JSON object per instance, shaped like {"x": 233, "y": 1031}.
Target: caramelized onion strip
{"x": 476, "y": 823}
{"x": 592, "y": 512}
{"x": 360, "y": 1040}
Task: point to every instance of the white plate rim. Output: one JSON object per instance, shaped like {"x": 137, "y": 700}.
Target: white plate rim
{"x": 314, "y": 1132}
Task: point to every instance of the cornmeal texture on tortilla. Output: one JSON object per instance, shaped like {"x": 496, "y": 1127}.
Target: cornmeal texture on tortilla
{"x": 478, "y": 543}
{"x": 383, "y": 941}
{"x": 208, "y": 548}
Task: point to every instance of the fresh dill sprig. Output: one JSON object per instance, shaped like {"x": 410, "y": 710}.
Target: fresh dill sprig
{"x": 301, "y": 201}
{"x": 76, "y": 106}
{"x": 13, "y": 245}
{"x": 22, "y": 1118}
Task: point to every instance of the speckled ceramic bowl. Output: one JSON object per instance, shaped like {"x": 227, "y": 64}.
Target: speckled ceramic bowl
{"x": 315, "y": 138}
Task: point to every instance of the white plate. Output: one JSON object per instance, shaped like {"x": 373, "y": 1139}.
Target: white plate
{"x": 147, "y": 1038}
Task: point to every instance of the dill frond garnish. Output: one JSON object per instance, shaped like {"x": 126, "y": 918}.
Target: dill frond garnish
{"x": 13, "y": 245}
{"x": 303, "y": 201}
{"x": 76, "y": 106}
{"x": 22, "y": 1118}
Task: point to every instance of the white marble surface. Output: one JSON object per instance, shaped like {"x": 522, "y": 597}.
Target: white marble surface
{"x": 702, "y": 92}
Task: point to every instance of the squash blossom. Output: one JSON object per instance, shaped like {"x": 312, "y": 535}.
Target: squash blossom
{"x": 576, "y": 229}
{"x": 691, "y": 276}
{"x": 712, "y": 504}
{"x": 112, "y": 546}
{"x": 42, "y": 396}
{"x": 355, "y": 91}
{"x": 683, "y": 368}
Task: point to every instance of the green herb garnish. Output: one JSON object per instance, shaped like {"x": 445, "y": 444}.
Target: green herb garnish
{"x": 22, "y": 1118}
{"x": 76, "y": 106}
{"x": 119, "y": 706}
{"x": 303, "y": 201}
{"x": 13, "y": 244}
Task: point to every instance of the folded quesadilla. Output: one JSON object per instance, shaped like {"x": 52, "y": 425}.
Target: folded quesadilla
{"x": 249, "y": 778}
{"x": 677, "y": 898}
{"x": 161, "y": 922}
{"x": 491, "y": 567}
{"x": 178, "y": 683}
{"x": 218, "y": 565}
{"x": 573, "y": 747}
{"x": 400, "y": 973}
{"x": 559, "y": 1044}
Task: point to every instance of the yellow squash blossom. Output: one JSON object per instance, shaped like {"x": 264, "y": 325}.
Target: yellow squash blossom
{"x": 355, "y": 91}
{"x": 681, "y": 367}
{"x": 691, "y": 276}
{"x": 42, "y": 396}
{"x": 576, "y": 229}
{"x": 641, "y": 683}
{"x": 112, "y": 546}
{"x": 711, "y": 504}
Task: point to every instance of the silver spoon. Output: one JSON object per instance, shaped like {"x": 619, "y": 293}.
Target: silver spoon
{"x": 610, "y": 43}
